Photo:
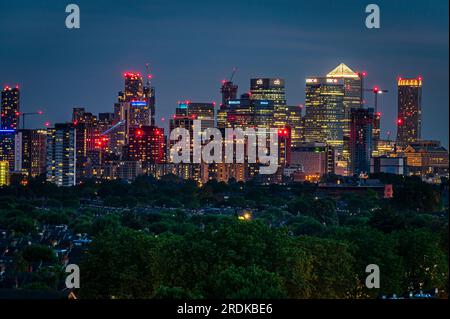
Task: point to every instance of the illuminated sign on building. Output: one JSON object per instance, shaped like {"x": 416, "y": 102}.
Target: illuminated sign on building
{"x": 138, "y": 103}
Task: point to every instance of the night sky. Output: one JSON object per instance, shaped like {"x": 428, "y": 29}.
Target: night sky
{"x": 192, "y": 45}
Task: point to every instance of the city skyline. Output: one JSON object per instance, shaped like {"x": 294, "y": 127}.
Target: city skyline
{"x": 193, "y": 75}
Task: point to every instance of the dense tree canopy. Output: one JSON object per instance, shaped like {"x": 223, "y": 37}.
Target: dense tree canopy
{"x": 169, "y": 238}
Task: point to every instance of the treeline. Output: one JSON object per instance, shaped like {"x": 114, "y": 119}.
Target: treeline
{"x": 297, "y": 242}
{"x": 223, "y": 257}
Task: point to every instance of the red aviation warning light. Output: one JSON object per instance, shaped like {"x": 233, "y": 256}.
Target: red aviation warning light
{"x": 131, "y": 75}
{"x": 400, "y": 122}
{"x": 101, "y": 142}
{"x": 139, "y": 132}
{"x": 376, "y": 89}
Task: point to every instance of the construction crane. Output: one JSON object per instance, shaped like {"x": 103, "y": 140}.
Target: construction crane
{"x": 376, "y": 130}
{"x": 376, "y": 91}
{"x": 25, "y": 114}
{"x": 232, "y": 74}
{"x": 149, "y": 76}
{"x": 112, "y": 128}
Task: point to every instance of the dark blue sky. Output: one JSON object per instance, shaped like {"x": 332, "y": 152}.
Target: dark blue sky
{"x": 192, "y": 45}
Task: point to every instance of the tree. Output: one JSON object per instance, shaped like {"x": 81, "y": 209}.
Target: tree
{"x": 306, "y": 225}
{"x": 387, "y": 220}
{"x": 426, "y": 264}
{"x": 324, "y": 210}
{"x": 248, "y": 283}
{"x": 332, "y": 274}
{"x": 119, "y": 265}
{"x": 38, "y": 253}
{"x": 371, "y": 246}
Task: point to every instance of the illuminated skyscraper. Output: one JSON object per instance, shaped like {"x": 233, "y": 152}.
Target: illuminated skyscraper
{"x": 353, "y": 87}
{"x": 140, "y": 100}
{"x": 409, "y": 119}
{"x": 88, "y": 137}
{"x": 135, "y": 107}
{"x": 7, "y": 145}
{"x": 134, "y": 86}
{"x": 201, "y": 111}
{"x": 4, "y": 173}
{"x": 247, "y": 112}
{"x": 361, "y": 143}
{"x": 325, "y": 111}
{"x": 353, "y": 99}
{"x": 10, "y": 108}
{"x": 185, "y": 115}
{"x": 295, "y": 122}
{"x": 271, "y": 90}
{"x": 147, "y": 144}
{"x": 61, "y": 154}
{"x": 30, "y": 152}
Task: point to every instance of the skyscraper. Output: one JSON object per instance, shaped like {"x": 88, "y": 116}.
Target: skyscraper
{"x": 87, "y": 137}
{"x": 271, "y": 89}
{"x": 409, "y": 119}
{"x": 140, "y": 99}
{"x": 10, "y": 108}
{"x": 295, "y": 122}
{"x": 325, "y": 111}
{"x": 147, "y": 144}
{"x": 353, "y": 98}
{"x": 30, "y": 152}
{"x": 135, "y": 107}
{"x": 247, "y": 112}
{"x": 185, "y": 115}
{"x": 7, "y": 147}
{"x": 361, "y": 123}
{"x": 134, "y": 86}
{"x": 228, "y": 91}
{"x": 61, "y": 154}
